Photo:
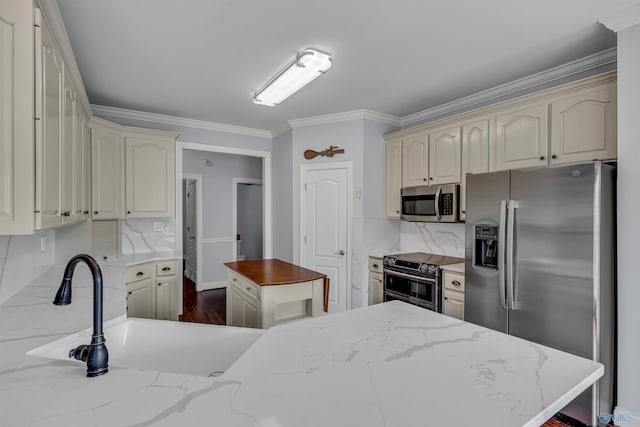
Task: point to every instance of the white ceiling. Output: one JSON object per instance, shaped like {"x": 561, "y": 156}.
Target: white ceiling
{"x": 203, "y": 59}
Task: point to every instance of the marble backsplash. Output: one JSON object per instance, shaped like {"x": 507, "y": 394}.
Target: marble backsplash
{"x": 22, "y": 260}
{"x": 138, "y": 236}
{"x": 432, "y": 237}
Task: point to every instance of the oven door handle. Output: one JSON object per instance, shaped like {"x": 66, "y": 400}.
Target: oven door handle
{"x": 437, "y": 201}
{"x": 408, "y": 276}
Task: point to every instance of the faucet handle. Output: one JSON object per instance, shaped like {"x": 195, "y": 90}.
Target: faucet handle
{"x": 81, "y": 352}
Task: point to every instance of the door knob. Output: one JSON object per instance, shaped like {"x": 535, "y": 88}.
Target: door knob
{"x": 341, "y": 252}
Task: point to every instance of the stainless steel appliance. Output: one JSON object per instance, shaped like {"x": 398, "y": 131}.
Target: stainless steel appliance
{"x": 430, "y": 204}
{"x": 540, "y": 257}
{"x": 415, "y": 278}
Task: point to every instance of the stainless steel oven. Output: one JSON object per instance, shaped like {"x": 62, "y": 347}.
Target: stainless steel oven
{"x": 418, "y": 290}
{"x": 430, "y": 204}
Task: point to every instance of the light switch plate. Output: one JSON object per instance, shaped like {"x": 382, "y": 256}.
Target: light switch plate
{"x": 158, "y": 227}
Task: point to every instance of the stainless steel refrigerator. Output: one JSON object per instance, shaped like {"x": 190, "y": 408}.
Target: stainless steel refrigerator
{"x": 540, "y": 264}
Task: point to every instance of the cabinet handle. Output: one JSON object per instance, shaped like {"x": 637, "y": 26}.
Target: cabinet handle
{"x": 65, "y": 213}
{"x": 129, "y": 293}
{"x": 553, "y": 156}
{"x": 128, "y": 212}
{"x": 159, "y": 284}
{"x": 375, "y": 266}
{"x": 431, "y": 178}
{"x": 139, "y": 273}
{"x": 446, "y": 298}
{"x": 86, "y": 212}
{"x": 463, "y": 211}
{"x": 455, "y": 283}
{"x": 95, "y": 212}
{"x": 541, "y": 157}
{"x": 166, "y": 269}
{"x": 424, "y": 179}
{"x": 397, "y": 211}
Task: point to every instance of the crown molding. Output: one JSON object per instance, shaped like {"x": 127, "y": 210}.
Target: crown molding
{"x": 53, "y": 18}
{"x": 280, "y": 131}
{"x": 122, "y": 113}
{"x": 470, "y": 102}
{"x": 346, "y": 116}
{"x": 622, "y": 19}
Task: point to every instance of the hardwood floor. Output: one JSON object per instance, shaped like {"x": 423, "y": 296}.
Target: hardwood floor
{"x": 205, "y": 306}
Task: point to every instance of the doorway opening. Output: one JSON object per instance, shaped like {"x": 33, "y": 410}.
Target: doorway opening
{"x": 247, "y": 227}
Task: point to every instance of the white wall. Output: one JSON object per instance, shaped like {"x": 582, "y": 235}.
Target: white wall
{"x": 217, "y": 219}
{"x": 282, "y": 193}
{"x": 628, "y": 224}
{"x": 249, "y": 224}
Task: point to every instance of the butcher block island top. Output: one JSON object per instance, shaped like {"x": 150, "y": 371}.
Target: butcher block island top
{"x": 268, "y": 272}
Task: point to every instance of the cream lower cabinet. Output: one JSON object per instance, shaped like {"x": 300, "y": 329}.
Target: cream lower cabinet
{"x": 152, "y": 290}
{"x": 453, "y": 294}
{"x": 253, "y": 306}
{"x": 376, "y": 284}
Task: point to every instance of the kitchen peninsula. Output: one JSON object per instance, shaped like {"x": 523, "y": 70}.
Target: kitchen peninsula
{"x": 388, "y": 364}
{"x": 268, "y": 292}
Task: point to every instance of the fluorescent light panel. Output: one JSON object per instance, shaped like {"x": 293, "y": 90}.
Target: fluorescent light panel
{"x": 308, "y": 65}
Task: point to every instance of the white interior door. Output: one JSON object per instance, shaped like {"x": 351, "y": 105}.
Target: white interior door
{"x": 190, "y": 229}
{"x": 325, "y": 233}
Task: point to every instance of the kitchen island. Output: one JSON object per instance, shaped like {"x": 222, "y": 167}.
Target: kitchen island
{"x": 266, "y": 292}
{"x": 392, "y": 364}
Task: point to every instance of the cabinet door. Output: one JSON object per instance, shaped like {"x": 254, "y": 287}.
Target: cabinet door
{"x": 444, "y": 156}
{"x": 453, "y": 304}
{"x": 149, "y": 177}
{"x": 107, "y": 157}
{"x": 393, "y": 178}
{"x": 234, "y": 307}
{"x": 583, "y": 126}
{"x": 78, "y": 163}
{"x": 475, "y": 155}
{"x": 415, "y": 160}
{"x": 141, "y": 300}
{"x": 167, "y": 298}
{"x": 16, "y": 117}
{"x": 522, "y": 138}
{"x": 48, "y": 209}
{"x": 86, "y": 165}
{"x": 376, "y": 286}
{"x": 67, "y": 164}
{"x": 251, "y": 314}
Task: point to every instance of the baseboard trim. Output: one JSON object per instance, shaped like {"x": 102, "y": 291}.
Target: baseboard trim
{"x": 624, "y": 418}
{"x": 211, "y": 285}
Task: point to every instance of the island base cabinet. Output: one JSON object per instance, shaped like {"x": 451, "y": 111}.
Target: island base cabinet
{"x": 234, "y": 307}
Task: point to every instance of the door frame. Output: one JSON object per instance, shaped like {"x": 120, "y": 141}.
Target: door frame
{"x": 267, "y": 218}
{"x": 304, "y": 169}
{"x": 234, "y": 210}
{"x": 199, "y": 247}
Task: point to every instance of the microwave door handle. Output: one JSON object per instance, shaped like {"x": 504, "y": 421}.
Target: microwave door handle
{"x": 502, "y": 273}
{"x": 438, "y": 202}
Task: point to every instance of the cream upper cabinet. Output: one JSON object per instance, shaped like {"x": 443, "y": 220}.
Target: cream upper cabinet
{"x": 415, "y": 160}
{"x": 17, "y": 151}
{"x": 393, "y": 178}
{"x": 67, "y": 145}
{"x": 48, "y": 140}
{"x": 444, "y": 156}
{"x": 583, "y": 126}
{"x": 107, "y": 159}
{"x": 82, "y": 166}
{"x": 149, "y": 174}
{"x": 522, "y": 138}
{"x": 475, "y": 155}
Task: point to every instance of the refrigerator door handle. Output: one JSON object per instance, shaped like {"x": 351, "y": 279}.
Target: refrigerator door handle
{"x": 437, "y": 202}
{"x": 502, "y": 274}
{"x": 512, "y": 304}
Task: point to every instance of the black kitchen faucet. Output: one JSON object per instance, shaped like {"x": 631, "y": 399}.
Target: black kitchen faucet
{"x": 95, "y": 354}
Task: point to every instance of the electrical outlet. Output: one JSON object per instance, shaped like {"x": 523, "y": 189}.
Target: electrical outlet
{"x": 158, "y": 227}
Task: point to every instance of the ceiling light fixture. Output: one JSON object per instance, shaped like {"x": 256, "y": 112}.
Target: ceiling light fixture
{"x": 308, "y": 65}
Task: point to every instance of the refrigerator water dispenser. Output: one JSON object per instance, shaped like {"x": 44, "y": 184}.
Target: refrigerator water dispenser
{"x": 486, "y": 246}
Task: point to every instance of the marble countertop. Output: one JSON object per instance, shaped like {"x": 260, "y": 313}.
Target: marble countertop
{"x": 456, "y": 268}
{"x": 391, "y": 364}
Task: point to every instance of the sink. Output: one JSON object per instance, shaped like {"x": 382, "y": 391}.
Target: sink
{"x": 162, "y": 345}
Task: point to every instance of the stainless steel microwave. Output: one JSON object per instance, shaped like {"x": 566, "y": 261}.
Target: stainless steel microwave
{"x": 431, "y": 204}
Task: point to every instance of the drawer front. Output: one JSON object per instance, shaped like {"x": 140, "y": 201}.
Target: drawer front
{"x": 251, "y": 289}
{"x": 138, "y": 272}
{"x": 453, "y": 281}
{"x": 166, "y": 268}
{"x": 235, "y": 280}
{"x": 375, "y": 264}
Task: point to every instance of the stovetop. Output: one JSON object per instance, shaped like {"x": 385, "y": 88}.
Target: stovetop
{"x": 425, "y": 258}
